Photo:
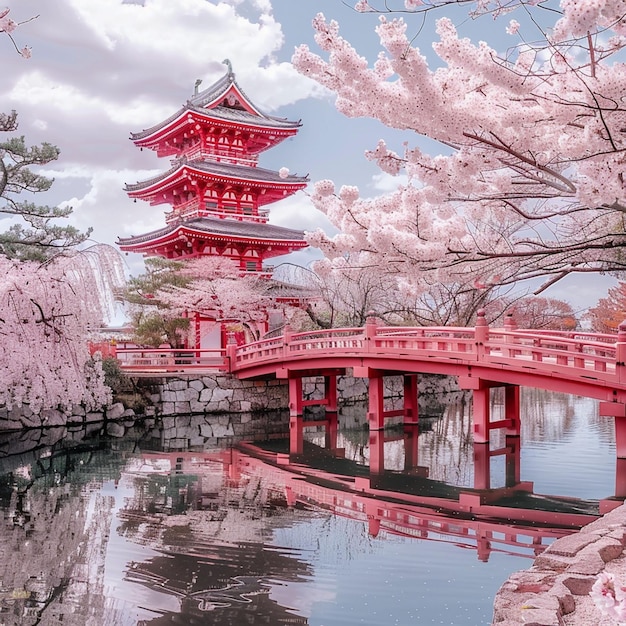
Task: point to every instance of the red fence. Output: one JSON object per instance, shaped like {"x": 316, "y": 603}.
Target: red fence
{"x": 585, "y": 357}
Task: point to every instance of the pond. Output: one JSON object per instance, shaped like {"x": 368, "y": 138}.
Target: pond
{"x": 145, "y": 531}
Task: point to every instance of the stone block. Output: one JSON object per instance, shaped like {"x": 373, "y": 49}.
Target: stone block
{"x": 209, "y": 382}
{"x": 206, "y": 395}
{"x": 590, "y": 564}
{"x": 609, "y": 548}
{"x": 198, "y": 385}
{"x": 551, "y": 562}
{"x": 115, "y": 429}
{"x": 196, "y": 406}
{"x": 177, "y": 385}
{"x": 168, "y": 396}
{"x": 52, "y": 417}
{"x": 220, "y": 430}
{"x": 570, "y": 545}
{"x": 221, "y": 394}
{"x": 168, "y": 408}
{"x": 579, "y": 585}
{"x": 182, "y": 408}
{"x": 206, "y": 430}
{"x": 115, "y": 411}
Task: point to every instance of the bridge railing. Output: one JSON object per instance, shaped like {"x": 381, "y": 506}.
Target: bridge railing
{"x": 578, "y": 354}
{"x": 552, "y": 353}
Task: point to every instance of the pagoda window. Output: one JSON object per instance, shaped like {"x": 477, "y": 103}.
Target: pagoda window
{"x": 252, "y": 266}
{"x": 247, "y": 204}
{"x": 229, "y": 202}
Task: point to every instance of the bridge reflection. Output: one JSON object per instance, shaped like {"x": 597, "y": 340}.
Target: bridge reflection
{"x": 511, "y": 518}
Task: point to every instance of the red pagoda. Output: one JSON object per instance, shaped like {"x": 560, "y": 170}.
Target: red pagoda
{"x": 218, "y": 195}
{"x": 217, "y": 192}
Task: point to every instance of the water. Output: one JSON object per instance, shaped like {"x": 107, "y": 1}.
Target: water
{"x": 119, "y": 531}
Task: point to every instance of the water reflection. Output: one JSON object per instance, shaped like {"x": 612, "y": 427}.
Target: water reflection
{"x": 352, "y": 528}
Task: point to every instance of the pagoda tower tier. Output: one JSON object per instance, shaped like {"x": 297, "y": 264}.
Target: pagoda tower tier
{"x": 248, "y": 243}
{"x": 204, "y": 188}
{"x": 220, "y": 121}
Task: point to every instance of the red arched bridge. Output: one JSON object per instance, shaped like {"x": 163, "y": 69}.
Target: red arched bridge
{"x": 584, "y": 364}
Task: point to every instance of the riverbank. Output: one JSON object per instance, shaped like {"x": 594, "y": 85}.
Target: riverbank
{"x": 555, "y": 590}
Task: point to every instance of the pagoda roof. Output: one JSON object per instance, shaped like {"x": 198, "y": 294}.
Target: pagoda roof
{"x": 228, "y": 173}
{"x": 218, "y": 229}
{"x": 209, "y": 104}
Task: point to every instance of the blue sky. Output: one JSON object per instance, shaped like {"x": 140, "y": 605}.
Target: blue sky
{"x": 105, "y": 68}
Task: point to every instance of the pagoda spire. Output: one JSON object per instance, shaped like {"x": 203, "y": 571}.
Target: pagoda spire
{"x": 229, "y": 65}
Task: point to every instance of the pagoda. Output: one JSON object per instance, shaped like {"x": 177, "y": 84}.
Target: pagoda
{"x": 218, "y": 196}
{"x": 217, "y": 193}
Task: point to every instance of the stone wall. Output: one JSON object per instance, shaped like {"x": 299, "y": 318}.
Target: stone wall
{"x": 222, "y": 394}
{"x": 555, "y": 590}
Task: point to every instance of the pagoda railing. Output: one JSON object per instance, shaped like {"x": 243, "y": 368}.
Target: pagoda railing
{"x": 190, "y": 209}
{"x": 171, "y": 360}
{"x": 219, "y": 156}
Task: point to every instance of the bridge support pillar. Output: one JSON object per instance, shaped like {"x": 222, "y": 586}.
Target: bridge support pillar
{"x": 296, "y": 429}
{"x": 411, "y": 412}
{"x": 376, "y": 412}
{"x": 411, "y": 434}
{"x": 512, "y": 462}
{"x": 617, "y": 410}
{"x": 512, "y": 410}
{"x": 377, "y": 451}
{"x": 480, "y": 414}
{"x": 482, "y": 466}
{"x": 330, "y": 399}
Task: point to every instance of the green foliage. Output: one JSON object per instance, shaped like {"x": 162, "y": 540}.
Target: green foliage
{"x": 155, "y": 328}
{"x": 40, "y": 237}
{"x": 160, "y": 274}
{"x": 114, "y": 377}
{"x": 152, "y": 321}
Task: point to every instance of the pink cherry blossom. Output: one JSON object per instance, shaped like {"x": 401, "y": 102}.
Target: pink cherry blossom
{"x": 527, "y": 181}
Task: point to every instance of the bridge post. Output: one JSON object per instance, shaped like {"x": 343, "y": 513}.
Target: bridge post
{"x": 513, "y": 474}
{"x": 376, "y": 413}
{"x": 481, "y": 333}
{"x": 371, "y": 323}
{"x": 620, "y": 353}
{"x": 287, "y": 332}
{"x": 509, "y": 322}
{"x": 480, "y": 413}
{"x": 411, "y": 412}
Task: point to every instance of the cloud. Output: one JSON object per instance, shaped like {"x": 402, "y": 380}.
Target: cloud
{"x": 105, "y": 68}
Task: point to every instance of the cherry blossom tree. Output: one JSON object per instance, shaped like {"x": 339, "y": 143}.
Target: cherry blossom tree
{"x": 216, "y": 288}
{"x": 529, "y": 182}
{"x": 538, "y": 312}
{"x": 53, "y": 297}
{"x": 7, "y": 26}
{"x": 164, "y": 298}
{"x": 48, "y": 311}
{"x": 609, "y": 312}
